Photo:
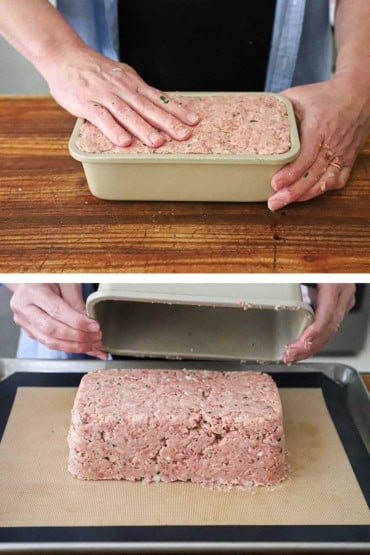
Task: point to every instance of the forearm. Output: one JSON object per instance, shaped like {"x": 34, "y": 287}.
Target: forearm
{"x": 38, "y": 31}
{"x": 352, "y": 34}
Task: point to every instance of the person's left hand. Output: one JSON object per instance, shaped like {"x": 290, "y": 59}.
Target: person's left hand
{"x": 334, "y": 123}
{"x": 333, "y": 301}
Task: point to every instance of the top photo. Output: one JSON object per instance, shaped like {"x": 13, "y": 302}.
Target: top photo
{"x": 190, "y": 136}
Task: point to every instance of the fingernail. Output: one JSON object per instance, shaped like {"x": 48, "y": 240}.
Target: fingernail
{"x": 124, "y": 140}
{"x": 183, "y": 132}
{"x": 155, "y": 139}
{"x": 278, "y": 200}
{"x": 192, "y": 117}
{"x": 275, "y": 203}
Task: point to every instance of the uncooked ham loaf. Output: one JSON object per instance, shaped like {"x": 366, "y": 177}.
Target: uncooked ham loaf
{"x": 230, "y": 124}
{"x": 209, "y": 427}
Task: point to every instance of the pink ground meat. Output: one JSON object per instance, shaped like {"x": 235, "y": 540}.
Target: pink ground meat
{"x": 234, "y": 124}
{"x": 210, "y": 427}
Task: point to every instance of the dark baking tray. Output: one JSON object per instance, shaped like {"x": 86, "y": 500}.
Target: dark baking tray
{"x": 348, "y": 403}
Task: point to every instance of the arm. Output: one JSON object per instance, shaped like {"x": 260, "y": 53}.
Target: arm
{"x": 55, "y": 315}
{"x": 352, "y": 34}
{"x": 334, "y": 116}
{"x": 38, "y": 31}
{"x": 109, "y": 94}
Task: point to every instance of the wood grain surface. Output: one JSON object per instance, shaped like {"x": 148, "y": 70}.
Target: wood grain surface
{"x": 49, "y": 221}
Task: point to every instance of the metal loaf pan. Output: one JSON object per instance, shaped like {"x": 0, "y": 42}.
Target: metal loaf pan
{"x": 199, "y": 321}
{"x": 188, "y": 177}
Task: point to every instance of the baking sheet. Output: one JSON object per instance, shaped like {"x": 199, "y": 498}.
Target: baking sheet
{"x": 337, "y": 511}
{"x": 36, "y": 490}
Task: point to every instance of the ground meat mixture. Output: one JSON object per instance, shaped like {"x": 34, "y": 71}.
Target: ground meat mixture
{"x": 210, "y": 427}
{"x": 230, "y": 124}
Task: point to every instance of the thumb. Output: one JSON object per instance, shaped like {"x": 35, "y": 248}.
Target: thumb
{"x": 72, "y": 295}
{"x": 310, "y": 144}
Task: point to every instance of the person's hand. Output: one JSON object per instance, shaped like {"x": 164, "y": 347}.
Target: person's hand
{"x": 55, "y": 315}
{"x": 334, "y": 122}
{"x": 117, "y": 100}
{"x": 333, "y": 301}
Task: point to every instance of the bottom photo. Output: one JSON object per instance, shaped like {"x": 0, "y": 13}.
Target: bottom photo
{"x": 184, "y": 417}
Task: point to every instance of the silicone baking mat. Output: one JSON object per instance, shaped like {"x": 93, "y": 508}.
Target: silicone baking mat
{"x": 328, "y": 484}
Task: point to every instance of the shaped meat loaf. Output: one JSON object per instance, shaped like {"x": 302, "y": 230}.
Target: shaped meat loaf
{"x": 210, "y": 427}
{"x": 230, "y": 124}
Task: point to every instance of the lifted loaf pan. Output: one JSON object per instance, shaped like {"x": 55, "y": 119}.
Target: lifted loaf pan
{"x": 200, "y": 321}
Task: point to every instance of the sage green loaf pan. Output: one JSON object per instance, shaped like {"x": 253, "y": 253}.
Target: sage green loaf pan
{"x": 199, "y": 321}
{"x": 187, "y": 177}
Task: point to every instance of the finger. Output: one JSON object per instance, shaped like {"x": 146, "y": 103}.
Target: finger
{"x": 344, "y": 176}
{"x": 307, "y": 181}
{"x": 66, "y": 346}
{"x": 161, "y": 99}
{"x": 62, "y": 345}
{"x": 134, "y": 123}
{"x": 59, "y": 310}
{"x": 39, "y": 322}
{"x": 72, "y": 294}
{"x": 166, "y": 102}
{"x": 300, "y": 348}
{"x": 335, "y": 178}
{"x": 157, "y": 116}
{"x": 98, "y": 354}
{"x": 348, "y": 296}
{"x": 99, "y": 116}
{"x": 328, "y": 181}
{"x": 310, "y": 147}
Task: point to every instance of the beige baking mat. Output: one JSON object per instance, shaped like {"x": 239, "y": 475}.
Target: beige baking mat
{"x": 35, "y": 488}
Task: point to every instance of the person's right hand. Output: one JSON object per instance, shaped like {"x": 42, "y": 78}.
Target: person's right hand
{"x": 117, "y": 100}
{"x": 55, "y": 315}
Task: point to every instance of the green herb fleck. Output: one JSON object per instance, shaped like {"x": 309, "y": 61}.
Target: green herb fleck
{"x": 253, "y": 120}
{"x": 106, "y": 458}
{"x": 164, "y": 99}
{"x": 114, "y": 445}
{"x": 305, "y": 174}
{"x": 155, "y": 151}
